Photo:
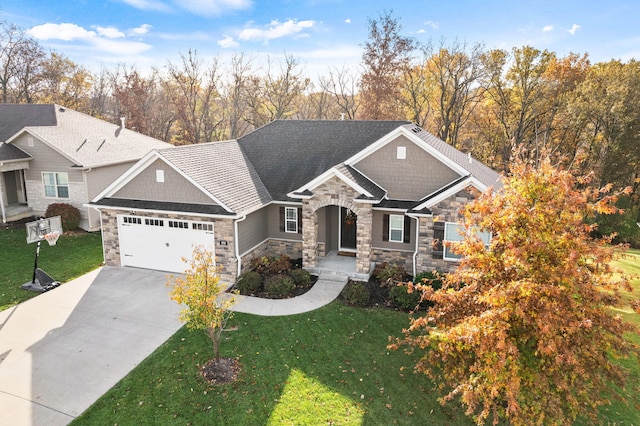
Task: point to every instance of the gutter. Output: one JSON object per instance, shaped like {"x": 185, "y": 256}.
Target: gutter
{"x": 237, "y": 244}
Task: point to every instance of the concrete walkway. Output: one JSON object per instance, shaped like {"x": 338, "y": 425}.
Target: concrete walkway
{"x": 62, "y": 350}
{"x": 323, "y": 292}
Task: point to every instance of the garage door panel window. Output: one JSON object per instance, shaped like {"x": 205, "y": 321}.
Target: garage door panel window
{"x": 132, "y": 220}
{"x": 154, "y": 222}
{"x": 178, "y": 224}
{"x": 202, "y": 226}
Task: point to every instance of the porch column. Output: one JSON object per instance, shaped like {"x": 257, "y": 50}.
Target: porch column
{"x": 363, "y": 238}
{"x": 309, "y": 236}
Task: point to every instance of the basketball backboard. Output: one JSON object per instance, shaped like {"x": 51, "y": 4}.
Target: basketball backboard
{"x": 36, "y": 230}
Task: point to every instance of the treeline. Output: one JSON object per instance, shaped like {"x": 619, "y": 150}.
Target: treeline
{"x": 483, "y": 101}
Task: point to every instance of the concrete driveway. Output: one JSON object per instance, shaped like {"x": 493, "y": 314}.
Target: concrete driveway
{"x": 62, "y": 350}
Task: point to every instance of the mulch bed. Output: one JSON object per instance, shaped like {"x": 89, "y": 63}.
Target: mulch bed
{"x": 220, "y": 372}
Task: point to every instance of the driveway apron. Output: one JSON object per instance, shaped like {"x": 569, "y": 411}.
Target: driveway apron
{"x": 62, "y": 350}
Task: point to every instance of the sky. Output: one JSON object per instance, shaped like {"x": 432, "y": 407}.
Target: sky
{"x": 319, "y": 33}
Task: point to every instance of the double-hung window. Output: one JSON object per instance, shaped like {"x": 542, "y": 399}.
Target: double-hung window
{"x": 291, "y": 219}
{"x": 455, "y": 233}
{"x": 396, "y": 228}
{"x": 56, "y": 185}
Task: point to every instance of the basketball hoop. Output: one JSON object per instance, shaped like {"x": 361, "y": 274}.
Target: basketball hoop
{"x": 52, "y": 237}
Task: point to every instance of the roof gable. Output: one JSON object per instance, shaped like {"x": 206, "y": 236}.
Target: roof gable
{"x": 87, "y": 141}
{"x": 288, "y": 154}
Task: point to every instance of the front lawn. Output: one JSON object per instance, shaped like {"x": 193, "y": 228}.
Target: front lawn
{"x": 72, "y": 256}
{"x": 329, "y": 366}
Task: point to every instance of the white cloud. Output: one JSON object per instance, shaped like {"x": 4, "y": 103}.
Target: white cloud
{"x": 432, "y": 24}
{"x": 109, "y": 32}
{"x": 276, "y": 30}
{"x": 227, "y": 42}
{"x": 347, "y": 21}
{"x": 574, "y": 28}
{"x": 212, "y": 7}
{"x": 120, "y": 47}
{"x": 65, "y": 32}
{"x": 157, "y": 5}
{"x": 421, "y": 31}
{"x": 141, "y": 30}
{"x": 547, "y": 28}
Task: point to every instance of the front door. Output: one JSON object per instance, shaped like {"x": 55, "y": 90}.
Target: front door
{"x": 348, "y": 226}
{"x": 11, "y": 184}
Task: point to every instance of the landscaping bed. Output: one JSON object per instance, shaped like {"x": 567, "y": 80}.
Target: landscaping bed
{"x": 275, "y": 278}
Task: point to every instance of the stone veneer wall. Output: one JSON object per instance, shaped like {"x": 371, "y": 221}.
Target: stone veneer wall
{"x": 272, "y": 247}
{"x": 335, "y": 192}
{"x": 448, "y": 210}
{"x": 222, "y": 228}
{"x": 401, "y": 258}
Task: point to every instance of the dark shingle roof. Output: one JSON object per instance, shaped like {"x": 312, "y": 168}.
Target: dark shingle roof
{"x": 287, "y": 154}
{"x": 9, "y": 152}
{"x": 162, "y": 206}
{"x": 14, "y": 117}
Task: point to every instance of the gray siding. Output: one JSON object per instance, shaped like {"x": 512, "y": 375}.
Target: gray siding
{"x": 413, "y": 178}
{"x": 101, "y": 177}
{"x": 45, "y": 159}
{"x": 377, "y": 228}
{"x": 175, "y": 187}
{"x": 252, "y": 231}
{"x": 273, "y": 217}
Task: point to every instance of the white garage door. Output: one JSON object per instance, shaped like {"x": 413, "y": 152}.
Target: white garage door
{"x": 156, "y": 243}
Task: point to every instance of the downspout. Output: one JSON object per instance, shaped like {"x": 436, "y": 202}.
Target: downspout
{"x": 415, "y": 253}
{"x": 237, "y": 243}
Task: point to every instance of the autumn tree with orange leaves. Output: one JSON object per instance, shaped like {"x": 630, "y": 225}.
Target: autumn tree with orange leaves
{"x": 200, "y": 292}
{"x": 528, "y": 337}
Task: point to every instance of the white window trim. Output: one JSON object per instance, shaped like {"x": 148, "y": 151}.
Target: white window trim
{"x": 401, "y": 229}
{"x": 56, "y": 185}
{"x": 160, "y": 176}
{"x": 445, "y": 240}
{"x": 293, "y": 220}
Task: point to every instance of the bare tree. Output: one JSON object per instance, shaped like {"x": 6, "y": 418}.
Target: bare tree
{"x": 193, "y": 90}
{"x": 236, "y": 93}
{"x": 12, "y": 46}
{"x": 342, "y": 84}
{"x": 273, "y": 96}
{"x": 456, "y": 72}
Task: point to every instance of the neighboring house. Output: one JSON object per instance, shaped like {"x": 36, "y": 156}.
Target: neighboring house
{"x": 378, "y": 190}
{"x": 52, "y": 154}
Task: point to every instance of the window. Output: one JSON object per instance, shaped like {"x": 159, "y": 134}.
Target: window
{"x": 396, "y": 228}
{"x": 455, "y": 233}
{"x": 401, "y": 153}
{"x": 291, "y": 219}
{"x": 56, "y": 185}
{"x": 159, "y": 176}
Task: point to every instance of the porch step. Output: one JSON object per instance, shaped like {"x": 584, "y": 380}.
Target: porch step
{"x": 340, "y": 277}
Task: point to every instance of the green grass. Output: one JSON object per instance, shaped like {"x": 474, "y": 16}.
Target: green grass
{"x": 72, "y": 256}
{"x": 329, "y": 366}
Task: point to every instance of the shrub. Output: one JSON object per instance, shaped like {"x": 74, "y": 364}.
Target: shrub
{"x": 279, "y": 285}
{"x": 69, "y": 215}
{"x": 402, "y": 299}
{"x": 389, "y": 273}
{"x": 249, "y": 283}
{"x": 432, "y": 278}
{"x": 355, "y": 294}
{"x": 301, "y": 276}
{"x": 270, "y": 266}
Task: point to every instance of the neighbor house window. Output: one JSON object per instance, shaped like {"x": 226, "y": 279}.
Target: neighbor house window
{"x": 56, "y": 185}
{"x": 454, "y": 232}
{"x": 291, "y": 219}
{"x": 396, "y": 228}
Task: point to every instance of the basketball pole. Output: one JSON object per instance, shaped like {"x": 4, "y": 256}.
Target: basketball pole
{"x": 35, "y": 263}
